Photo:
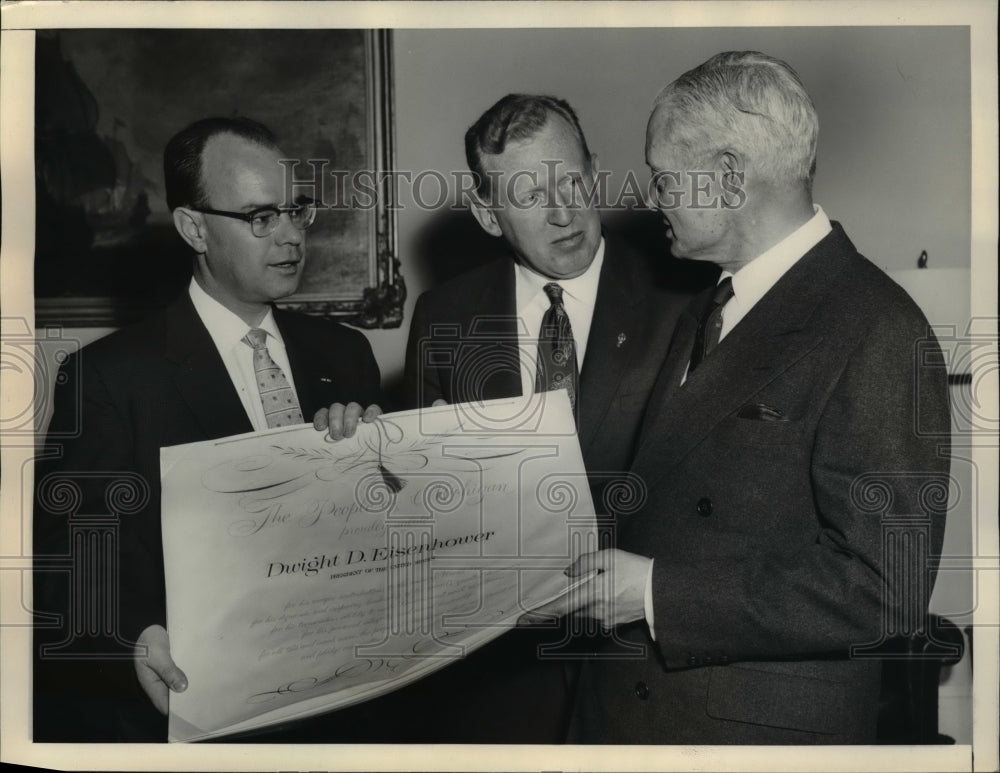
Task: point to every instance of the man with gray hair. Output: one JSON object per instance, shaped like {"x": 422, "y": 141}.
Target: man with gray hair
{"x": 800, "y": 417}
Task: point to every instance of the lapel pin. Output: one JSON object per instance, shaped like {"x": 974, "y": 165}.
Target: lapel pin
{"x": 621, "y": 339}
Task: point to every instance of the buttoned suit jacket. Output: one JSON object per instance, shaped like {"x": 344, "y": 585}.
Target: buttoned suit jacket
{"x": 158, "y": 383}
{"x": 463, "y": 347}
{"x": 796, "y": 485}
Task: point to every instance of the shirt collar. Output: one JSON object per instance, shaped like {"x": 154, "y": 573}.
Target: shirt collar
{"x": 225, "y": 327}
{"x": 582, "y": 288}
{"x": 758, "y": 276}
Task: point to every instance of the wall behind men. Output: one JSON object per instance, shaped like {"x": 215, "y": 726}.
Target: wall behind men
{"x": 893, "y": 103}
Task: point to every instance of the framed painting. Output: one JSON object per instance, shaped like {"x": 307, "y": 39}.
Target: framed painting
{"x": 107, "y": 101}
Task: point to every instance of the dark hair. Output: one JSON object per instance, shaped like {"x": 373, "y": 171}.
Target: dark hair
{"x": 182, "y": 156}
{"x": 515, "y": 117}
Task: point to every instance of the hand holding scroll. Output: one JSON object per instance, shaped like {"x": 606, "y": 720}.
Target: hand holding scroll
{"x": 613, "y": 596}
{"x": 155, "y": 669}
{"x": 341, "y": 421}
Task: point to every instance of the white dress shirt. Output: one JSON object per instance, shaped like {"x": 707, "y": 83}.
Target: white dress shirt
{"x": 531, "y": 302}
{"x": 750, "y": 284}
{"x": 227, "y": 331}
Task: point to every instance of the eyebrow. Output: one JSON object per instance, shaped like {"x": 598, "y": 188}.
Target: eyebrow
{"x": 253, "y": 205}
{"x": 297, "y": 201}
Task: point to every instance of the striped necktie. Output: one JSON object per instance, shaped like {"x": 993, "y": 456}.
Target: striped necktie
{"x": 281, "y": 408}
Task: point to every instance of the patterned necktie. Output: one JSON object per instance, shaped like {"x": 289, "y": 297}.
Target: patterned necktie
{"x": 281, "y": 408}
{"x": 710, "y": 328}
{"x": 556, "y": 348}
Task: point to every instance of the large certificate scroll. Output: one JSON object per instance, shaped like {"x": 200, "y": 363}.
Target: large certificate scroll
{"x": 305, "y": 575}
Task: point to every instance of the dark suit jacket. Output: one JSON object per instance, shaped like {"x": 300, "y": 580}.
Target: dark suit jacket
{"x": 796, "y": 490}
{"x": 463, "y": 347}
{"x": 158, "y": 383}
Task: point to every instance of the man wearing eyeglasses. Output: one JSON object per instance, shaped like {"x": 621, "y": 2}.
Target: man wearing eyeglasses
{"x": 191, "y": 372}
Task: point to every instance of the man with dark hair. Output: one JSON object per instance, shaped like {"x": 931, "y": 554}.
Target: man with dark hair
{"x": 795, "y": 450}
{"x": 515, "y": 118}
{"x": 572, "y": 307}
{"x": 193, "y": 371}
{"x": 535, "y": 178}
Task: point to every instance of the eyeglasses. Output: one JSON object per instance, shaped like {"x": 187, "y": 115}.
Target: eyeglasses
{"x": 264, "y": 220}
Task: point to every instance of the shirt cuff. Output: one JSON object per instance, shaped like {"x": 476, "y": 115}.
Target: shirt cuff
{"x": 648, "y": 600}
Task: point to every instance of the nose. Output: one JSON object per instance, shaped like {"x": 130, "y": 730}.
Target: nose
{"x": 561, "y": 212}
{"x": 286, "y": 233}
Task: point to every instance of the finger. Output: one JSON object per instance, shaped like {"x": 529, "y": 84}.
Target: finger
{"x": 155, "y": 668}
{"x": 545, "y": 614}
{"x": 352, "y": 413}
{"x": 335, "y": 422}
{"x": 153, "y": 686}
{"x": 160, "y": 663}
{"x": 155, "y": 682}
{"x": 586, "y": 564}
{"x": 173, "y": 677}
{"x": 438, "y": 403}
{"x": 322, "y": 419}
{"x": 372, "y": 412}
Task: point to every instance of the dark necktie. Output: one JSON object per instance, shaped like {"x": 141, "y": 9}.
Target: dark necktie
{"x": 556, "y": 348}
{"x": 710, "y": 327}
{"x": 281, "y": 408}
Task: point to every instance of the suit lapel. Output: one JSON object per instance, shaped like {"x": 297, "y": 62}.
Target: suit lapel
{"x": 201, "y": 378}
{"x": 306, "y": 364}
{"x": 774, "y": 335}
{"x": 612, "y": 342}
{"x": 678, "y": 355}
{"x": 495, "y": 323}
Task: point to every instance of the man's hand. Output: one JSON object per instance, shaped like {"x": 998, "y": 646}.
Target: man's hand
{"x": 613, "y": 596}
{"x": 155, "y": 668}
{"x": 341, "y": 420}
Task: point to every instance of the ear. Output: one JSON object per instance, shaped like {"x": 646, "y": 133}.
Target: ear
{"x": 730, "y": 162}
{"x": 191, "y": 226}
{"x": 594, "y": 166}
{"x": 730, "y": 165}
{"x": 485, "y": 217}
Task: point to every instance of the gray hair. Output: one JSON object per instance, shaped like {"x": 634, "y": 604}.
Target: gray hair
{"x": 750, "y": 102}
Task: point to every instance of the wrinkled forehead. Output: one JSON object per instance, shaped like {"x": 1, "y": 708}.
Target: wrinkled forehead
{"x": 239, "y": 173}
{"x": 554, "y": 146}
